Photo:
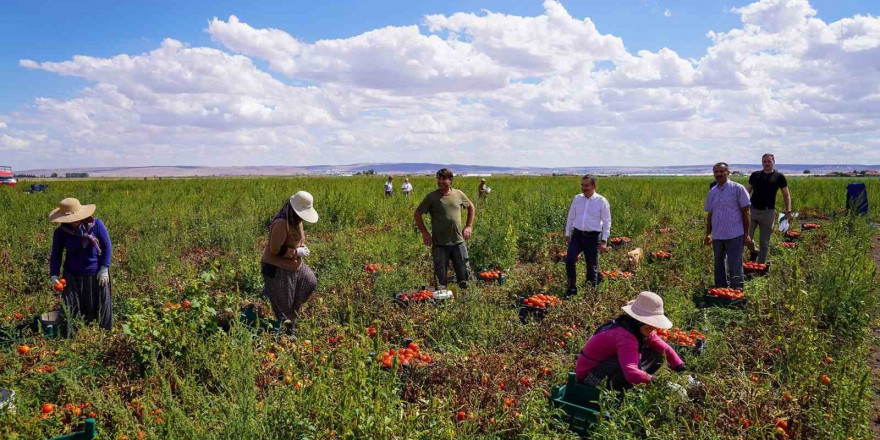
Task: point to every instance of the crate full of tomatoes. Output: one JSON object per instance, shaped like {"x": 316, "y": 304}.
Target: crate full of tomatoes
{"x": 659, "y": 256}
{"x": 407, "y": 357}
{"x": 682, "y": 341}
{"x": 752, "y": 268}
{"x": 724, "y": 297}
{"x": 788, "y": 245}
{"x": 793, "y": 235}
{"x": 614, "y": 275}
{"x": 619, "y": 241}
{"x": 535, "y": 306}
{"x": 492, "y": 276}
{"x": 809, "y": 226}
{"x": 422, "y": 296}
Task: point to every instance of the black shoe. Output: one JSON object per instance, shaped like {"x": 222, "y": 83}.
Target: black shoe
{"x": 753, "y": 256}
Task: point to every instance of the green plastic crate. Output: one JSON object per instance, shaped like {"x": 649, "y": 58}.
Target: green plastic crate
{"x": 86, "y": 434}
{"x": 579, "y": 402}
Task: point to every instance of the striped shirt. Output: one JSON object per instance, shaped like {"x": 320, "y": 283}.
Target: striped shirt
{"x": 589, "y": 214}
{"x": 725, "y": 203}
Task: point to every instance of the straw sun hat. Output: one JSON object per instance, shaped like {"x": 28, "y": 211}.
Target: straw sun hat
{"x": 301, "y": 203}
{"x": 648, "y": 309}
{"x": 70, "y": 210}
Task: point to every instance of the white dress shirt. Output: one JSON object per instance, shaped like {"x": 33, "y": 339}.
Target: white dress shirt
{"x": 406, "y": 187}
{"x": 589, "y": 214}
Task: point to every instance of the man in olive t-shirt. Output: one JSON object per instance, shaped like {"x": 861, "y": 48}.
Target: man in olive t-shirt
{"x": 447, "y": 239}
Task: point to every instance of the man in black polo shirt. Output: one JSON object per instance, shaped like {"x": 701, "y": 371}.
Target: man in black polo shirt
{"x": 763, "y": 186}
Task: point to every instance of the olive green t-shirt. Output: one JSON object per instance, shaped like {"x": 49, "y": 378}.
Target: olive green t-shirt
{"x": 445, "y": 211}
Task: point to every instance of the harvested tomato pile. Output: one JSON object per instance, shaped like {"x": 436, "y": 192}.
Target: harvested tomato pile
{"x": 409, "y": 356}
{"x": 421, "y": 295}
{"x": 619, "y": 240}
{"x": 680, "y": 337}
{"x": 793, "y": 234}
{"x": 788, "y": 244}
{"x": 661, "y": 255}
{"x": 542, "y": 301}
{"x": 615, "y": 274}
{"x": 726, "y": 292}
{"x": 374, "y": 268}
{"x": 667, "y": 230}
{"x": 808, "y": 226}
{"x": 753, "y": 266}
{"x": 490, "y": 275}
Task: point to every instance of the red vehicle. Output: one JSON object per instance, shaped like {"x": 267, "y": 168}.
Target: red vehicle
{"x": 6, "y": 176}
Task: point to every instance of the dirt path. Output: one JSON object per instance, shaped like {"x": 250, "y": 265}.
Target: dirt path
{"x": 874, "y": 360}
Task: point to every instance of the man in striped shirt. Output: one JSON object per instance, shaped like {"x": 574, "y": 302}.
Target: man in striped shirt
{"x": 727, "y": 226}
{"x": 589, "y": 222}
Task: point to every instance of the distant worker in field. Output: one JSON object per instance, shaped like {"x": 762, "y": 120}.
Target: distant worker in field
{"x": 763, "y": 186}
{"x": 727, "y": 226}
{"x": 289, "y": 281}
{"x": 447, "y": 239}
{"x": 407, "y": 187}
{"x": 389, "y": 187}
{"x": 483, "y": 190}
{"x": 85, "y": 245}
{"x": 627, "y": 350}
{"x": 588, "y": 225}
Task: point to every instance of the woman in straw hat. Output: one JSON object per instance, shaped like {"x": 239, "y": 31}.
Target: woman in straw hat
{"x": 627, "y": 350}
{"x": 289, "y": 282}
{"x": 86, "y": 246}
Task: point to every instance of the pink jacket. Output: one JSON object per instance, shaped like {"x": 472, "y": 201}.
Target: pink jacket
{"x": 621, "y": 343}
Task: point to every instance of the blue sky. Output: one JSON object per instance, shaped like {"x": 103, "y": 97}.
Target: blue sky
{"x": 58, "y": 30}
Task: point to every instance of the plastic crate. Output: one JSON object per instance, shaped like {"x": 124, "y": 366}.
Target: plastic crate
{"x": 653, "y": 259}
{"x": 685, "y": 351}
{"x": 86, "y": 434}
{"x": 714, "y": 301}
{"x": 752, "y": 273}
{"x": 527, "y": 313}
{"x": 579, "y": 402}
{"x": 253, "y": 318}
{"x": 501, "y": 280}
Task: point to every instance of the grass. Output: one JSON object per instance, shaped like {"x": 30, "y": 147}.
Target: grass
{"x": 167, "y": 372}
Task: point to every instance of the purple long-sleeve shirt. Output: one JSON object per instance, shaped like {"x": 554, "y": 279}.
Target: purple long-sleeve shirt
{"x": 621, "y": 343}
{"x": 80, "y": 260}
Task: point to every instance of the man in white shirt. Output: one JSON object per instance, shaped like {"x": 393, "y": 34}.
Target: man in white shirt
{"x": 388, "y": 187}
{"x": 407, "y": 187}
{"x": 588, "y": 224}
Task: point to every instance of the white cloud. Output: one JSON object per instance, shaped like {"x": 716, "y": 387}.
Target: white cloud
{"x": 468, "y": 87}
{"x": 667, "y": 13}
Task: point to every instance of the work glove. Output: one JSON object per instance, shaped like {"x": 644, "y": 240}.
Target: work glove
{"x": 103, "y": 276}
{"x": 54, "y": 280}
{"x": 303, "y": 251}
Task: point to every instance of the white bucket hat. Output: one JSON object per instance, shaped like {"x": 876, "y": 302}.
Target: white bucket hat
{"x": 71, "y": 210}
{"x": 301, "y": 203}
{"x": 648, "y": 309}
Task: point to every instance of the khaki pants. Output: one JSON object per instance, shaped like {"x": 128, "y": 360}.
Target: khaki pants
{"x": 763, "y": 218}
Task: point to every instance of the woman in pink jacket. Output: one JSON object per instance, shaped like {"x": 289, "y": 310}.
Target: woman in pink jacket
{"x": 627, "y": 351}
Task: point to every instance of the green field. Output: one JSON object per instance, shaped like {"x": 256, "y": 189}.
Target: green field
{"x": 166, "y": 372}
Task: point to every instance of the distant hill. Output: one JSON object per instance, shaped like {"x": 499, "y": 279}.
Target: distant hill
{"x": 425, "y": 168}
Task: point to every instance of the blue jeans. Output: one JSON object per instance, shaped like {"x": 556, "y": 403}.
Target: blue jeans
{"x": 732, "y": 251}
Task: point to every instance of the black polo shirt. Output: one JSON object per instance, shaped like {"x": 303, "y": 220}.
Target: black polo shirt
{"x": 764, "y": 188}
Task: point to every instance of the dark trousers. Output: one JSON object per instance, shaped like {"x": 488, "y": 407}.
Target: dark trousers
{"x": 458, "y": 254}
{"x": 85, "y": 299}
{"x": 732, "y": 251}
{"x": 588, "y": 243}
{"x": 649, "y": 361}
